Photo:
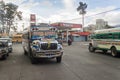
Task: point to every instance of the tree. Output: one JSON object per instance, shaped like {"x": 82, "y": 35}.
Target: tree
{"x": 11, "y": 13}
{"x": 81, "y": 8}
{"x": 2, "y": 15}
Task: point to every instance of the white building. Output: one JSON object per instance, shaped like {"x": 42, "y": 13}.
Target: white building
{"x": 101, "y": 24}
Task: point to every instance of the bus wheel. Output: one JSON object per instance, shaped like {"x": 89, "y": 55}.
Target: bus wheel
{"x": 59, "y": 59}
{"x": 33, "y": 60}
{"x": 114, "y": 52}
{"x": 104, "y": 51}
{"x": 4, "y": 57}
{"x": 91, "y": 48}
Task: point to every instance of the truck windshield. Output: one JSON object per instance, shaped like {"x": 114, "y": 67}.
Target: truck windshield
{"x": 44, "y": 34}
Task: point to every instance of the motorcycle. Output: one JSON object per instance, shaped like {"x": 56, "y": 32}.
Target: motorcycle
{"x": 69, "y": 42}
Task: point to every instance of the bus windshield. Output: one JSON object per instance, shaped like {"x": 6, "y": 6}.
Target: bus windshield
{"x": 43, "y": 34}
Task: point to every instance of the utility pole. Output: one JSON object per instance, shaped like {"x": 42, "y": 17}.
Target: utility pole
{"x": 81, "y": 9}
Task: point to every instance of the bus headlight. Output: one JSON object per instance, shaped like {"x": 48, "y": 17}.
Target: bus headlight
{"x": 35, "y": 48}
{"x": 59, "y": 47}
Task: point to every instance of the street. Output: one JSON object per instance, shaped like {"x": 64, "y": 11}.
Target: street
{"x": 77, "y": 64}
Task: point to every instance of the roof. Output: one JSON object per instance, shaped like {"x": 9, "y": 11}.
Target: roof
{"x": 108, "y": 30}
{"x": 84, "y": 33}
{"x": 61, "y": 25}
{"x": 75, "y": 35}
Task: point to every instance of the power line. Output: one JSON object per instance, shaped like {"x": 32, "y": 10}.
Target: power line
{"x": 94, "y": 14}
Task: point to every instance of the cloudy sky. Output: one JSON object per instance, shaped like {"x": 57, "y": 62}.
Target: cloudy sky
{"x": 65, "y": 10}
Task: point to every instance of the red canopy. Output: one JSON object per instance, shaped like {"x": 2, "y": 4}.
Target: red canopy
{"x": 81, "y": 33}
{"x": 67, "y": 25}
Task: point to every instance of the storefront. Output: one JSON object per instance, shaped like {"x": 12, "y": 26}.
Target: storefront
{"x": 80, "y": 36}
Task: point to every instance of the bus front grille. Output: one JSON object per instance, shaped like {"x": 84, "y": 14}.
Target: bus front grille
{"x": 51, "y": 46}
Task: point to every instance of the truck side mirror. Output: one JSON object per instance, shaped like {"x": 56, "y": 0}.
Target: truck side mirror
{"x": 9, "y": 44}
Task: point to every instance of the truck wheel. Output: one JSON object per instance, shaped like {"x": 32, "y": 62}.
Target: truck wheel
{"x": 33, "y": 60}
{"x": 11, "y": 50}
{"x": 7, "y": 54}
{"x": 59, "y": 59}
{"x": 25, "y": 53}
{"x": 4, "y": 57}
{"x": 91, "y": 48}
{"x": 114, "y": 52}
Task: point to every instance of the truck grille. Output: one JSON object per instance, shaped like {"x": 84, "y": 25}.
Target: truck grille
{"x": 51, "y": 46}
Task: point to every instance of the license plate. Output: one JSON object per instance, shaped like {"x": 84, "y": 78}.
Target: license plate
{"x": 50, "y": 56}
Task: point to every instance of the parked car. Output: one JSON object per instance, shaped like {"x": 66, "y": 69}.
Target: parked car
{"x": 9, "y": 43}
{"x": 4, "y": 49}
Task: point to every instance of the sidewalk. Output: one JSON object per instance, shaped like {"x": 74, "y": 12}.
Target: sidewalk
{"x": 64, "y": 44}
{"x": 77, "y": 43}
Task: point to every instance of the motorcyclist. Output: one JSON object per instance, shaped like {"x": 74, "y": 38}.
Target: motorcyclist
{"x": 69, "y": 42}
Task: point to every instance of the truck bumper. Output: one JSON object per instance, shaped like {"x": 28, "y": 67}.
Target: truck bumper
{"x": 47, "y": 54}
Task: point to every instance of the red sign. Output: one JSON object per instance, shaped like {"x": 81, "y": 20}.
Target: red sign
{"x": 77, "y": 26}
{"x": 32, "y": 18}
{"x": 67, "y": 25}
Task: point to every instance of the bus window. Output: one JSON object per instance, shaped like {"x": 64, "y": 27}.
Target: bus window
{"x": 17, "y": 38}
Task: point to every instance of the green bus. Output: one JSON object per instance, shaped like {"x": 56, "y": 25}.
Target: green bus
{"x": 106, "y": 39}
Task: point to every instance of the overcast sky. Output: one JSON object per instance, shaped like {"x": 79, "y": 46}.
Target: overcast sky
{"x": 65, "y": 10}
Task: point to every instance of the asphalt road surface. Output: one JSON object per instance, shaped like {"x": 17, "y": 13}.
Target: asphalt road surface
{"x": 77, "y": 64}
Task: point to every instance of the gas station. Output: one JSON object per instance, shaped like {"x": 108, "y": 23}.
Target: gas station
{"x": 74, "y": 31}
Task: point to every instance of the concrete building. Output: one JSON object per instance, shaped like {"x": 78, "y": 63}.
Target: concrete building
{"x": 101, "y": 24}
{"x": 90, "y": 28}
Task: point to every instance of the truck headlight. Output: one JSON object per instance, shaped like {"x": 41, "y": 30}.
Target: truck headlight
{"x": 35, "y": 48}
{"x": 60, "y": 47}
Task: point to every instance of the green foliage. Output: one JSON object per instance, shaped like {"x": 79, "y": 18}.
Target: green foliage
{"x": 11, "y": 10}
{"x": 10, "y": 13}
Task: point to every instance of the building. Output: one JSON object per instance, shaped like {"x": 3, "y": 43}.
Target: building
{"x": 101, "y": 24}
{"x": 90, "y": 28}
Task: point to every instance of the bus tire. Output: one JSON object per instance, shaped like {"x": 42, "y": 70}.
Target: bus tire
{"x": 33, "y": 60}
{"x": 91, "y": 48}
{"x": 25, "y": 53}
{"x": 114, "y": 52}
{"x": 4, "y": 57}
{"x": 104, "y": 51}
{"x": 59, "y": 59}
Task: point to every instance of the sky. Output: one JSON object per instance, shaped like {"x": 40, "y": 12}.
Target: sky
{"x": 50, "y": 11}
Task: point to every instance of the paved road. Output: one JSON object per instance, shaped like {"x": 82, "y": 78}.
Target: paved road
{"x": 77, "y": 64}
